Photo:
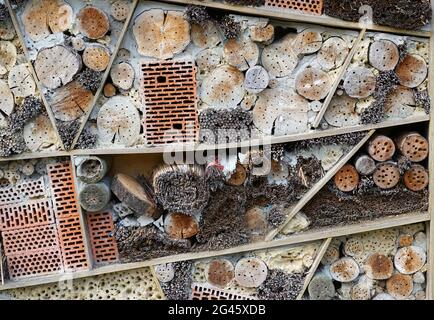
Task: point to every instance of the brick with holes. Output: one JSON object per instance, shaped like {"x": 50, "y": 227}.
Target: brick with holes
{"x": 205, "y": 292}
{"x": 22, "y": 191}
{"x": 104, "y": 247}
{"x": 306, "y": 6}
{"x": 169, "y": 94}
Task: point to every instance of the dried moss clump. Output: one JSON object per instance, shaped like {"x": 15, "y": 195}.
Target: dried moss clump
{"x": 17, "y": 3}
{"x": 423, "y": 100}
{"x": 253, "y": 3}
{"x": 11, "y": 142}
{"x": 197, "y": 14}
{"x": 276, "y": 216}
{"x": 309, "y": 170}
{"x": 90, "y": 79}
{"x": 230, "y": 28}
{"x": 29, "y": 109}
{"x": 350, "y": 139}
{"x": 4, "y": 13}
{"x": 67, "y": 131}
{"x": 281, "y": 286}
{"x": 178, "y": 287}
{"x": 87, "y": 140}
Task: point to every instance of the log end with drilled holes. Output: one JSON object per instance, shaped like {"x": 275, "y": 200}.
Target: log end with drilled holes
{"x": 413, "y": 146}
{"x": 347, "y": 178}
{"x": 381, "y": 148}
{"x": 386, "y": 176}
{"x": 416, "y": 178}
{"x": 220, "y": 273}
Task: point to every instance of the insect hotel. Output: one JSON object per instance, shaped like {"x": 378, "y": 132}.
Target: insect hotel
{"x": 203, "y": 150}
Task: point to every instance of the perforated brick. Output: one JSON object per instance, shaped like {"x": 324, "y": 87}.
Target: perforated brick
{"x": 202, "y": 292}
{"x": 72, "y": 243}
{"x": 306, "y": 6}
{"x": 62, "y": 189}
{"x": 170, "y": 97}
{"x": 104, "y": 247}
{"x": 30, "y": 239}
{"x": 22, "y": 191}
{"x": 35, "y": 263}
{"x": 31, "y": 213}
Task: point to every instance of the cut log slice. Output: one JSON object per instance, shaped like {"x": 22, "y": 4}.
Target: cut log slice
{"x": 345, "y": 270}
{"x": 241, "y": 53}
{"x": 413, "y": 146}
{"x": 60, "y": 17}
{"x": 7, "y": 30}
{"x": 347, "y": 178}
{"x": 274, "y": 103}
{"x": 386, "y": 176}
{"x": 56, "y": 66}
{"x": 412, "y": 71}
{"x": 416, "y": 179}
{"x": 21, "y": 81}
{"x": 365, "y": 165}
{"x": 131, "y": 193}
{"x": 6, "y": 99}
{"x": 400, "y": 103}
{"x": 383, "y": 55}
{"x": 308, "y": 42}
{"x": 92, "y": 169}
{"x": 8, "y": 56}
{"x": 279, "y": 58}
{"x": 359, "y": 82}
{"x": 35, "y": 20}
{"x": 96, "y": 57}
{"x": 180, "y": 226}
{"x": 361, "y": 290}
{"x": 164, "y": 272}
{"x": 109, "y": 90}
{"x": 331, "y": 255}
{"x": 122, "y": 75}
{"x": 321, "y": 287}
{"x": 333, "y": 53}
{"x": 27, "y": 169}
{"x": 313, "y": 84}
{"x": 160, "y": 34}
{"x": 381, "y": 148}
{"x": 93, "y": 22}
{"x": 220, "y": 273}
{"x": 208, "y": 59}
{"x": 256, "y": 221}
{"x": 342, "y": 112}
{"x": 205, "y": 35}
{"x": 223, "y": 87}
{"x": 71, "y": 101}
{"x": 383, "y": 296}
{"x": 39, "y": 134}
{"x": 118, "y": 122}
{"x": 120, "y": 10}
{"x": 409, "y": 260}
{"x": 287, "y": 124}
{"x": 354, "y": 247}
{"x": 378, "y": 267}
{"x": 405, "y": 240}
{"x": 94, "y": 197}
{"x": 400, "y": 286}
{"x": 78, "y": 43}
{"x": 256, "y": 80}
{"x": 250, "y": 272}
{"x": 262, "y": 34}
{"x": 238, "y": 177}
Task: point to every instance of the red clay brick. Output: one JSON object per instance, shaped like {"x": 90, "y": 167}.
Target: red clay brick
{"x": 201, "y": 292}
{"x": 104, "y": 247}
{"x": 307, "y": 6}
{"x": 170, "y": 97}
{"x": 22, "y": 191}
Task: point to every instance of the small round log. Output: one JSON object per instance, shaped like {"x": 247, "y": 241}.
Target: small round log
{"x": 122, "y": 75}
{"x": 241, "y": 54}
{"x": 220, "y": 273}
{"x": 307, "y": 42}
{"x": 78, "y": 43}
{"x": 92, "y": 169}
{"x": 180, "y": 226}
{"x": 347, "y": 178}
{"x": 256, "y": 80}
{"x": 413, "y": 146}
{"x": 261, "y": 34}
{"x": 405, "y": 240}
{"x": 381, "y": 148}
{"x": 331, "y": 255}
{"x": 412, "y": 71}
{"x": 416, "y": 178}
{"x": 400, "y": 103}
{"x": 208, "y": 59}
{"x": 27, "y": 169}
{"x": 378, "y": 267}
{"x": 345, "y": 270}
{"x": 386, "y": 176}
{"x": 342, "y": 112}
{"x": 321, "y": 287}
{"x": 109, "y": 90}
{"x": 120, "y": 10}
{"x": 96, "y": 57}
{"x": 365, "y": 165}
{"x": 6, "y": 98}
{"x": 60, "y": 17}
{"x": 361, "y": 290}
{"x": 353, "y": 247}
{"x": 8, "y": 56}
{"x": 238, "y": 177}
{"x": 279, "y": 58}
{"x": 400, "y": 286}
{"x": 359, "y": 82}
{"x": 39, "y": 134}
{"x": 313, "y": 84}
{"x": 250, "y": 272}
{"x": 205, "y": 35}
{"x": 333, "y": 53}
{"x": 383, "y": 55}
{"x": 21, "y": 81}
{"x": 409, "y": 260}
{"x": 93, "y": 22}
{"x": 164, "y": 272}
{"x": 94, "y": 197}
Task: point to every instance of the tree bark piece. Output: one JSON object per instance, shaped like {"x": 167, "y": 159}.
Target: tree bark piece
{"x": 381, "y": 148}
{"x": 378, "y": 267}
{"x": 308, "y": 42}
{"x": 118, "y": 121}
{"x": 412, "y": 71}
{"x": 160, "y": 34}
{"x": 220, "y": 273}
{"x": 416, "y": 179}
{"x": 21, "y": 81}
{"x": 205, "y": 35}
{"x": 333, "y": 53}
{"x": 180, "y": 226}
{"x": 93, "y": 22}
{"x": 313, "y": 84}
{"x": 71, "y": 101}
{"x": 384, "y": 55}
{"x": 94, "y": 197}
{"x": 130, "y": 192}
{"x": 8, "y": 56}
{"x": 92, "y": 169}
{"x": 56, "y": 66}
{"x": 400, "y": 286}
{"x": 365, "y": 165}
{"x": 347, "y": 178}
{"x": 120, "y": 10}
{"x": 250, "y": 272}
{"x": 256, "y": 80}
{"x": 359, "y": 82}
{"x": 96, "y": 57}
{"x": 400, "y": 103}
{"x": 345, "y": 270}
{"x": 39, "y": 134}
{"x": 122, "y": 75}
{"x": 60, "y": 17}
{"x": 261, "y": 34}
{"x": 6, "y": 98}
{"x": 241, "y": 53}
{"x": 413, "y": 146}
{"x": 342, "y": 112}
{"x": 386, "y": 176}
{"x": 279, "y": 58}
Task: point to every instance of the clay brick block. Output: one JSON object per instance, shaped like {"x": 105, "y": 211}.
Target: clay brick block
{"x": 62, "y": 189}
{"x": 170, "y": 96}
{"x": 72, "y": 243}
{"x": 22, "y": 191}
{"x": 31, "y": 213}
{"x": 35, "y": 263}
{"x": 202, "y": 292}
{"x": 104, "y": 247}
{"x": 30, "y": 239}
{"x": 306, "y": 6}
